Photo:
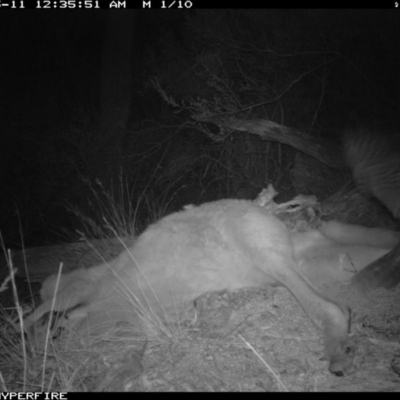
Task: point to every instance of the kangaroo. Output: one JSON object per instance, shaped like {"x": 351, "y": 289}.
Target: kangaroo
{"x": 232, "y": 244}
{"x": 222, "y": 245}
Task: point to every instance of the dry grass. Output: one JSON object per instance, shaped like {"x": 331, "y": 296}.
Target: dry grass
{"x": 49, "y": 360}
{"x": 46, "y": 360}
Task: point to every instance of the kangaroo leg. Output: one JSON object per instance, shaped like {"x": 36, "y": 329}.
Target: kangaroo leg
{"x": 73, "y": 289}
{"x": 333, "y": 320}
{"x": 383, "y": 272}
{"x": 270, "y": 247}
{"x": 359, "y": 235}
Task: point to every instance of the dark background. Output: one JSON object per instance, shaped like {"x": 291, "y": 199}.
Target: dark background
{"x": 97, "y": 107}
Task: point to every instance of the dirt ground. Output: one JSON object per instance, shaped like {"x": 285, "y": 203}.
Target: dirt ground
{"x": 249, "y": 340}
{"x": 216, "y": 355}
{"x": 255, "y": 340}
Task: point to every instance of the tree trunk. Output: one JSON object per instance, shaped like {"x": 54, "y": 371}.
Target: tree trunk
{"x": 325, "y": 151}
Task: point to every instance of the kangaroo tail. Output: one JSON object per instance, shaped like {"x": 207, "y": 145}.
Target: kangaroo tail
{"x": 375, "y": 162}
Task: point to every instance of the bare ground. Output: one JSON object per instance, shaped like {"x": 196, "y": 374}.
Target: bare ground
{"x": 250, "y": 340}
